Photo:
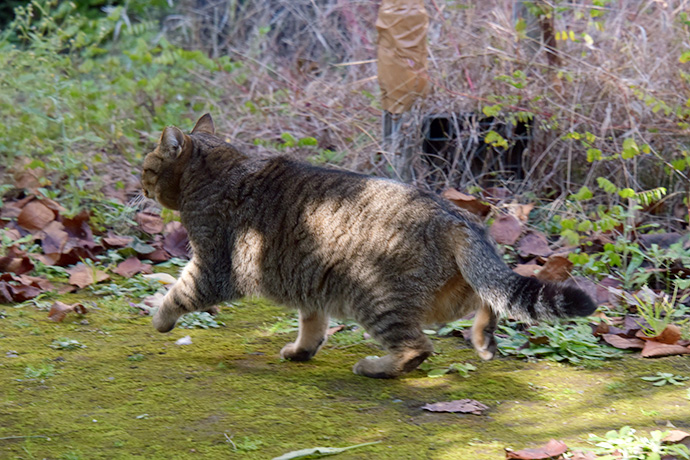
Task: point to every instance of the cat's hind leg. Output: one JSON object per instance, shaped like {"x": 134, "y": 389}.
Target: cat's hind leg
{"x": 311, "y": 337}
{"x": 482, "y": 332}
{"x": 402, "y": 337}
{"x": 197, "y": 289}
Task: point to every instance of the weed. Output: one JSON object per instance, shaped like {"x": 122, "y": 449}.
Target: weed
{"x": 39, "y": 372}
{"x": 663, "y": 378}
{"x": 657, "y": 312}
{"x": 626, "y": 444}
{"x": 461, "y": 368}
{"x": 66, "y": 344}
{"x": 560, "y": 342}
{"x": 136, "y": 357}
{"x": 198, "y": 319}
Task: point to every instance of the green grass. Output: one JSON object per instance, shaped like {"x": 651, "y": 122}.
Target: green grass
{"x": 133, "y": 392}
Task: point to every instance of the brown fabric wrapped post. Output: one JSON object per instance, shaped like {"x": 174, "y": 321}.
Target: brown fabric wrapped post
{"x": 402, "y": 71}
{"x": 402, "y": 53}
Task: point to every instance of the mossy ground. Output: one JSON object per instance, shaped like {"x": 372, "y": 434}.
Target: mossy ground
{"x": 133, "y": 393}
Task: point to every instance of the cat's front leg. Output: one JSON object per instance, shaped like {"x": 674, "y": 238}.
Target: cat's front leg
{"x": 195, "y": 290}
{"x": 312, "y": 336}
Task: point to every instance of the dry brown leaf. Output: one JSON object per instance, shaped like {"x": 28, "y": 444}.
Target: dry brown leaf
{"x": 132, "y": 266}
{"x": 467, "y": 202}
{"x": 157, "y": 256}
{"x": 529, "y": 270}
{"x": 59, "y": 310}
{"x": 534, "y": 244}
{"x": 654, "y": 349}
{"x": 623, "y": 343}
{"x": 82, "y": 275}
{"x": 176, "y": 241}
{"x": 334, "y": 329}
{"x": 150, "y": 223}
{"x": 53, "y": 238}
{"x": 35, "y": 215}
{"x": 670, "y": 335}
{"x": 5, "y": 293}
{"x": 677, "y": 437}
{"x": 579, "y": 455}
{"x": 465, "y": 406}
{"x": 556, "y": 268}
{"x": 22, "y": 292}
{"x": 18, "y": 265}
{"x": 552, "y": 450}
{"x": 521, "y": 211}
{"x": 115, "y": 241}
{"x": 506, "y": 229}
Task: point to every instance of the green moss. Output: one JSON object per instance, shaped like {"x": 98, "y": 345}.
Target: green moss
{"x": 228, "y": 395}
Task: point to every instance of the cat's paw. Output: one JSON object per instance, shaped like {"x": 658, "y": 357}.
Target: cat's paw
{"x": 163, "y": 322}
{"x": 376, "y": 368}
{"x": 293, "y": 353}
{"x": 488, "y": 350}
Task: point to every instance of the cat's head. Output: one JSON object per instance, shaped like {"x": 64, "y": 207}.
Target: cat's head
{"x": 164, "y": 166}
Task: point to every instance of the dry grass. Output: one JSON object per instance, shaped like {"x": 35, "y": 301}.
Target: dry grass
{"x": 311, "y": 71}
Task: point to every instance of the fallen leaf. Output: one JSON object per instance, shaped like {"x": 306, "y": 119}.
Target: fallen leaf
{"x": 670, "y": 335}
{"x": 22, "y": 292}
{"x": 552, "y": 449}
{"x": 78, "y": 226}
{"x": 467, "y": 202}
{"x": 654, "y": 349}
{"x": 677, "y": 437}
{"x": 132, "y": 266}
{"x": 556, "y": 268}
{"x": 115, "y": 241}
{"x": 623, "y": 343}
{"x": 35, "y": 215}
{"x": 529, "y": 270}
{"x": 521, "y": 211}
{"x": 58, "y": 311}
{"x": 157, "y": 256}
{"x": 5, "y": 293}
{"x": 465, "y": 406}
{"x": 83, "y": 275}
{"x": 18, "y": 265}
{"x": 53, "y": 238}
{"x": 534, "y": 244}
{"x": 150, "y": 223}
{"x": 579, "y": 455}
{"x": 333, "y": 330}
{"x": 506, "y": 229}
{"x": 175, "y": 242}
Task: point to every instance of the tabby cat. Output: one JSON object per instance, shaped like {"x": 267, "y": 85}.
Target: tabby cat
{"x": 334, "y": 243}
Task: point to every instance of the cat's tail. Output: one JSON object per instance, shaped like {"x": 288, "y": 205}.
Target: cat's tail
{"x": 508, "y": 293}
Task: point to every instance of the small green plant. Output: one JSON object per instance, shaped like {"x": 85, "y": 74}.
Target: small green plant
{"x": 66, "y": 344}
{"x": 663, "y": 378}
{"x": 573, "y": 343}
{"x": 39, "y": 372}
{"x": 454, "y": 326}
{"x": 198, "y": 319}
{"x": 626, "y": 444}
{"x": 461, "y": 368}
{"x": 136, "y": 357}
{"x": 657, "y": 313}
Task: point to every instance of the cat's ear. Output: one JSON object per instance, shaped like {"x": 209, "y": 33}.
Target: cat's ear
{"x": 204, "y": 125}
{"x": 171, "y": 142}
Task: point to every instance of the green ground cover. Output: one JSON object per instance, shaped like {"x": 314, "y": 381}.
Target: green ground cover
{"x": 133, "y": 393}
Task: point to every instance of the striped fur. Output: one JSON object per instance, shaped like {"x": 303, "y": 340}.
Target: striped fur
{"x": 332, "y": 243}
